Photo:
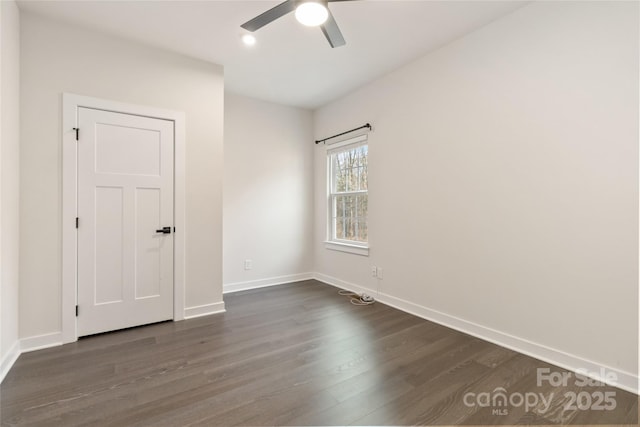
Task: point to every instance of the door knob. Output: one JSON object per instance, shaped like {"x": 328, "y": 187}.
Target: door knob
{"x": 164, "y": 230}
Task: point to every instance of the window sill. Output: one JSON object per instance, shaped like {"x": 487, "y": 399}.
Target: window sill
{"x": 346, "y": 247}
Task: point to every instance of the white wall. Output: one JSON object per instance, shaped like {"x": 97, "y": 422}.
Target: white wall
{"x": 59, "y": 58}
{"x": 9, "y": 179}
{"x": 268, "y": 187}
{"x": 504, "y": 181}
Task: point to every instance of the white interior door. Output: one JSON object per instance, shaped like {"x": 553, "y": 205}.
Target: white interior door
{"x": 125, "y": 199}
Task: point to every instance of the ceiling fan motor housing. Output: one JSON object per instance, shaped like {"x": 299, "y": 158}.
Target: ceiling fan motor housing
{"x": 329, "y": 26}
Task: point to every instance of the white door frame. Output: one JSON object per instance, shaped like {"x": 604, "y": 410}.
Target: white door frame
{"x": 70, "y": 105}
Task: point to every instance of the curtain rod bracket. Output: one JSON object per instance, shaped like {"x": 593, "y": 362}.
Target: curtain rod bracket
{"x": 368, "y": 126}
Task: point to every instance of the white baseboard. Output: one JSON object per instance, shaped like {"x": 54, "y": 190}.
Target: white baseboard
{"x": 333, "y": 281}
{"x": 9, "y": 359}
{"x": 625, "y": 380}
{"x": 26, "y": 345}
{"x": 204, "y": 310}
{"x": 40, "y": 342}
{"x": 271, "y": 281}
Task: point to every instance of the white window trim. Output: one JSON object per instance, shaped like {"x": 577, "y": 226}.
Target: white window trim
{"x": 354, "y": 142}
{"x": 346, "y": 246}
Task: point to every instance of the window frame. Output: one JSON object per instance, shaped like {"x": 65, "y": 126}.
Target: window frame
{"x": 332, "y": 243}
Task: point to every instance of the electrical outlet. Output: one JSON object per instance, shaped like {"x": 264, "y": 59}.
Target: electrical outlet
{"x": 379, "y": 275}
{"x": 248, "y": 264}
{"x": 374, "y": 271}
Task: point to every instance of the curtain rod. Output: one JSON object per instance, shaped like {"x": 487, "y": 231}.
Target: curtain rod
{"x": 344, "y": 133}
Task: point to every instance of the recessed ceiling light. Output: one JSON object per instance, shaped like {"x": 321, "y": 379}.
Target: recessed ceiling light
{"x": 248, "y": 39}
{"x": 311, "y": 13}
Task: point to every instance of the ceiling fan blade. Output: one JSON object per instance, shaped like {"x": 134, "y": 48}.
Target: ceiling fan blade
{"x": 269, "y": 16}
{"x": 332, "y": 32}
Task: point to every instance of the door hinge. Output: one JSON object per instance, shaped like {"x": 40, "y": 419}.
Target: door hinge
{"x": 76, "y": 311}
{"x": 77, "y": 133}
{"x": 77, "y": 222}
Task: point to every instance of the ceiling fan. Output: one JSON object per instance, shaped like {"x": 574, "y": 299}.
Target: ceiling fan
{"x": 312, "y": 13}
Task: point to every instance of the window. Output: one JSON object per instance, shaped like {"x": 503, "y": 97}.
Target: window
{"x": 348, "y": 194}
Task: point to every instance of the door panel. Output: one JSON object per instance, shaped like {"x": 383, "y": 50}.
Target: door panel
{"x": 109, "y": 251}
{"x": 141, "y": 145}
{"x": 148, "y": 243}
{"x": 125, "y": 194}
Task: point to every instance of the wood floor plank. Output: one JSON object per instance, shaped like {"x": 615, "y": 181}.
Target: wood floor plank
{"x": 296, "y": 354}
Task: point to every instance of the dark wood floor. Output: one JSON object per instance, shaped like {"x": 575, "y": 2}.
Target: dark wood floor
{"x": 294, "y": 354}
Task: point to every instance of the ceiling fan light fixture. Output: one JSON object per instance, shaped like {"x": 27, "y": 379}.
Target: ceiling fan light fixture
{"x": 248, "y": 39}
{"x": 311, "y": 13}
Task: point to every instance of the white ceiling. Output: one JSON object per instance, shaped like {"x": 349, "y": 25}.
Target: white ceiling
{"x": 290, "y": 64}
